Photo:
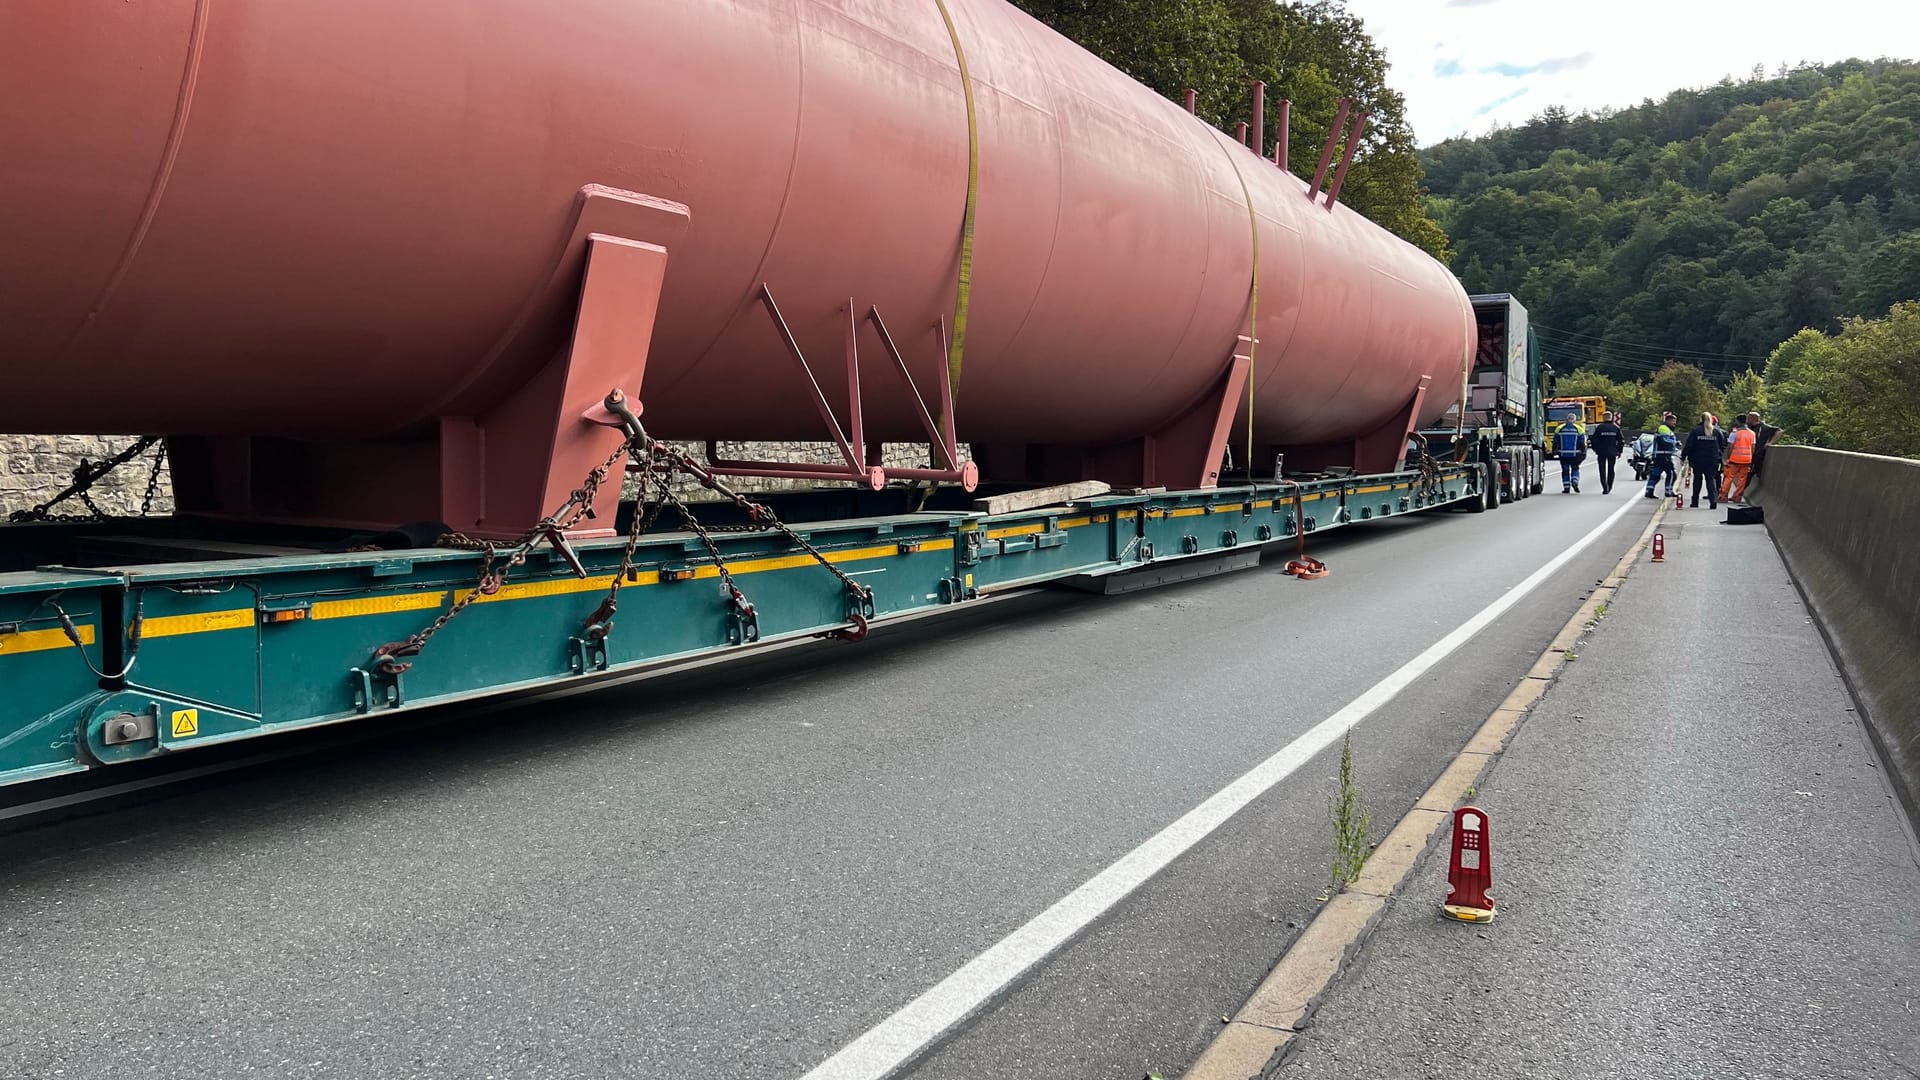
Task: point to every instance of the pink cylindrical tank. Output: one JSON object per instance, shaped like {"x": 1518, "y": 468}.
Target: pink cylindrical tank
{"x": 343, "y": 222}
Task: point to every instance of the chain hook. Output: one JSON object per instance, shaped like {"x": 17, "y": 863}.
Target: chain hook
{"x": 387, "y": 659}
{"x": 744, "y": 622}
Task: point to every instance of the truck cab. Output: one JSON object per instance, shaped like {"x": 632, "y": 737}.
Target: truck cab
{"x": 1588, "y": 410}
{"x": 1499, "y": 419}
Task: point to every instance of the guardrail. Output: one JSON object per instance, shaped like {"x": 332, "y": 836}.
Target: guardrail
{"x": 1849, "y": 527}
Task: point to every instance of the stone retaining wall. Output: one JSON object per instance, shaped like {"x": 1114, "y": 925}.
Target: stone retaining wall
{"x": 37, "y": 467}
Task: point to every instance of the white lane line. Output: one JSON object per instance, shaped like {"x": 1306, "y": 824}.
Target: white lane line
{"x": 901, "y": 1037}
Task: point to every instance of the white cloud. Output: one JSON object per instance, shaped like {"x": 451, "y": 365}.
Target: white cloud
{"x": 1468, "y": 65}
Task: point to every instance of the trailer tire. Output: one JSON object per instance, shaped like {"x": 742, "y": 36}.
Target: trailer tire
{"x": 1539, "y": 474}
{"x": 1478, "y": 504}
{"x": 1493, "y": 485}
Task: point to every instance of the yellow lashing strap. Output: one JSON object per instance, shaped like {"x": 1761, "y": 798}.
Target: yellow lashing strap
{"x": 1253, "y": 303}
{"x": 957, "y": 344}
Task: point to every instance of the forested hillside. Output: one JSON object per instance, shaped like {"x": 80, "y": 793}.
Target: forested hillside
{"x": 1666, "y": 251}
{"x": 1710, "y": 226}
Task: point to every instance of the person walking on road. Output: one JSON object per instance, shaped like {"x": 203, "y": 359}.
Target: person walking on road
{"x": 1740, "y": 449}
{"x": 1607, "y": 441}
{"x": 1666, "y": 449}
{"x": 1705, "y": 447}
{"x": 1570, "y": 445}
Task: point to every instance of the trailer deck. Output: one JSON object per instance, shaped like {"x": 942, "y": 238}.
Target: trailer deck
{"x": 146, "y": 637}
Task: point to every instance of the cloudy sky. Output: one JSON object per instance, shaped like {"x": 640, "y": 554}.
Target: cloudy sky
{"x": 1467, "y": 65}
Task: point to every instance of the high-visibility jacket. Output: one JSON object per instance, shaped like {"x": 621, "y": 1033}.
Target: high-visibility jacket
{"x": 1740, "y": 443}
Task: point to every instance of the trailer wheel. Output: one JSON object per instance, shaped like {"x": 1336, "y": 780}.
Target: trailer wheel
{"x": 1539, "y": 474}
{"x": 1478, "y": 504}
{"x": 1493, "y": 485}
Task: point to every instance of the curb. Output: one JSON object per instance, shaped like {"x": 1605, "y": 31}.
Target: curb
{"x": 1265, "y": 1027}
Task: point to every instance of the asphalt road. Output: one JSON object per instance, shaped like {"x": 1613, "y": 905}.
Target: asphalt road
{"x": 737, "y": 873}
{"x": 1701, "y": 870}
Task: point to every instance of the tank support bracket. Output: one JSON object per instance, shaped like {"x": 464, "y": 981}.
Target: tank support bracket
{"x": 852, "y": 440}
{"x": 1185, "y": 452}
{"x": 1385, "y": 448}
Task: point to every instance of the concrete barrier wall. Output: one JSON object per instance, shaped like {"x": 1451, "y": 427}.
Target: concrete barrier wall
{"x": 1849, "y": 527}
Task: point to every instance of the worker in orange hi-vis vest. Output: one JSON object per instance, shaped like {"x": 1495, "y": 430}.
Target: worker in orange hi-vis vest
{"x": 1740, "y": 443}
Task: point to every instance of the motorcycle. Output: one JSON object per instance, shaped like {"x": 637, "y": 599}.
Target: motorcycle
{"x": 1642, "y": 457}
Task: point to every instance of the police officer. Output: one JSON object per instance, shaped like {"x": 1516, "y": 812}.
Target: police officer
{"x": 1706, "y": 445}
{"x": 1570, "y": 446}
{"x": 1666, "y": 447}
{"x": 1607, "y": 441}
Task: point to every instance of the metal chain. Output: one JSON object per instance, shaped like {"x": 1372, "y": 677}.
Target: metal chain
{"x": 656, "y": 462}
{"x": 488, "y": 584}
{"x": 153, "y": 478}
{"x": 389, "y": 659}
{"x": 736, "y": 600}
{"x": 757, "y": 513}
{"x": 85, "y": 475}
{"x": 1428, "y": 468}
{"x": 600, "y": 623}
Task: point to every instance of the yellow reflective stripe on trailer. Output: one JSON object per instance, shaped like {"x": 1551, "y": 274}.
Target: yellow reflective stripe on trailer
{"x": 236, "y": 618}
{"x": 534, "y": 590}
{"x": 26, "y": 641}
{"x": 788, "y": 562}
{"x": 204, "y": 622}
{"x": 375, "y": 605}
{"x": 1041, "y": 526}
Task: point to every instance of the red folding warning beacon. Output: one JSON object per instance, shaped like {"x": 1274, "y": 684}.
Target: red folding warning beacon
{"x": 1470, "y": 872}
{"x": 1659, "y": 547}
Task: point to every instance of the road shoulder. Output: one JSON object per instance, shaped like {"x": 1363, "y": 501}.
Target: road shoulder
{"x": 1264, "y": 1029}
{"x": 1701, "y": 870}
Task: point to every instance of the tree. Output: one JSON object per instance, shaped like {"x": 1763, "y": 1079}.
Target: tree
{"x": 1745, "y": 393}
{"x": 1858, "y": 390}
{"x": 1585, "y": 383}
{"x": 1639, "y": 409}
{"x": 1873, "y": 402}
{"x": 1891, "y": 275}
{"x": 1683, "y": 390}
{"x": 1797, "y": 378}
{"x": 1312, "y": 53}
{"x": 1637, "y": 405}
{"x": 1710, "y": 224}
